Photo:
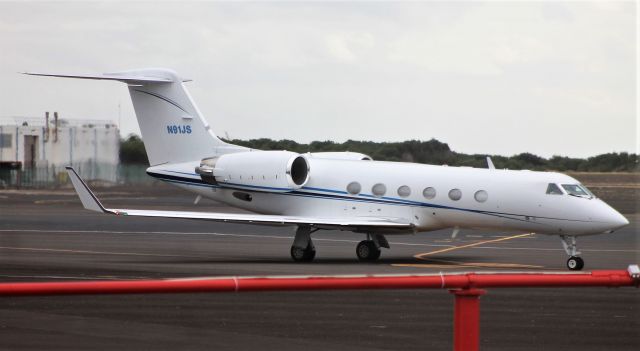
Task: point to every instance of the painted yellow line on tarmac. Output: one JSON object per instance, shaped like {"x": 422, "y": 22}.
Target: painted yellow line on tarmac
{"x": 457, "y": 264}
{"x": 420, "y": 256}
{"x": 439, "y": 263}
{"x": 425, "y": 265}
{"x": 454, "y": 264}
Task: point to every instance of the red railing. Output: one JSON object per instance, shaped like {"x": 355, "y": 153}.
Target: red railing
{"x": 467, "y": 288}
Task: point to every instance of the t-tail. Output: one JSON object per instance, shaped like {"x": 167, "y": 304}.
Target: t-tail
{"x": 172, "y": 127}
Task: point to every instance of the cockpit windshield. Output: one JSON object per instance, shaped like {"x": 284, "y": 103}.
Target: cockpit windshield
{"x": 553, "y": 189}
{"x": 577, "y": 190}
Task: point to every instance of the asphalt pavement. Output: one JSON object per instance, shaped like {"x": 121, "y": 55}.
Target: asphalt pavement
{"x": 47, "y": 236}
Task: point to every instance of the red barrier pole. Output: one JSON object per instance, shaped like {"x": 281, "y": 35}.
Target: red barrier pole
{"x": 466, "y": 288}
{"x": 466, "y": 319}
{"x": 234, "y": 284}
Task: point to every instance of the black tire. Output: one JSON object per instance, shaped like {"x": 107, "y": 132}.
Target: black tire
{"x": 300, "y": 255}
{"x": 376, "y": 254}
{"x": 367, "y": 251}
{"x": 309, "y": 254}
{"x": 575, "y": 263}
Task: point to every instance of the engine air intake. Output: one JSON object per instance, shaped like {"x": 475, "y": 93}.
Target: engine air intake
{"x": 299, "y": 171}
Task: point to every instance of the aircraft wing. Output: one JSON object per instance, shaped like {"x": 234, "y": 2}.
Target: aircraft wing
{"x": 390, "y": 224}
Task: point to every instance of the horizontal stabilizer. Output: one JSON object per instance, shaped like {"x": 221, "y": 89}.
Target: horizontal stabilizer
{"x": 126, "y": 77}
{"x": 91, "y": 202}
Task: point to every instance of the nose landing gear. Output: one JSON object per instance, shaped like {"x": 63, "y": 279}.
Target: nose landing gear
{"x": 575, "y": 262}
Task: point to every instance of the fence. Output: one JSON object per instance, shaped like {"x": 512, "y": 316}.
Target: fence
{"x": 466, "y": 287}
{"x": 56, "y": 176}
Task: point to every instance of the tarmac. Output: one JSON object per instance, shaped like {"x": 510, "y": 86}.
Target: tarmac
{"x": 47, "y": 236}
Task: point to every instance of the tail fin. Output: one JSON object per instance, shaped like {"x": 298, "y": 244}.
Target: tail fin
{"x": 172, "y": 127}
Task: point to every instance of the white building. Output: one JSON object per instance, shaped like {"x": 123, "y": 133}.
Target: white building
{"x": 52, "y": 143}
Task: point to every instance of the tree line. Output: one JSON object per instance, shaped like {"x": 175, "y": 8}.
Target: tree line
{"x": 430, "y": 152}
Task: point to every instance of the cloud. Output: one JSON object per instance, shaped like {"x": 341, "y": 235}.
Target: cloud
{"x": 349, "y": 47}
{"x": 472, "y": 74}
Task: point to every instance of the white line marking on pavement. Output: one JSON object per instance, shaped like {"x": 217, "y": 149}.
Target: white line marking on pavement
{"x": 98, "y": 277}
{"x": 291, "y": 238}
{"x": 200, "y": 233}
{"x": 92, "y": 252}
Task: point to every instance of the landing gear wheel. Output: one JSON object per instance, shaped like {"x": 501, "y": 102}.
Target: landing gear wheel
{"x": 303, "y": 255}
{"x": 367, "y": 251}
{"x": 575, "y": 263}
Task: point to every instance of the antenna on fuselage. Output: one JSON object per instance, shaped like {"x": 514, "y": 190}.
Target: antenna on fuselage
{"x": 490, "y": 163}
{"x": 456, "y": 230}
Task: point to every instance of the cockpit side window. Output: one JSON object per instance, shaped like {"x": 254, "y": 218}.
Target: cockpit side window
{"x": 587, "y": 190}
{"x": 553, "y": 189}
{"x": 576, "y": 190}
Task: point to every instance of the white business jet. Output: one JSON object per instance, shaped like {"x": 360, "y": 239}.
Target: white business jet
{"x": 341, "y": 190}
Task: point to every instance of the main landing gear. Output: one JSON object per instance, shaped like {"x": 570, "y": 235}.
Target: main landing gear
{"x": 369, "y": 250}
{"x": 303, "y": 255}
{"x": 302, "y": 249}
{"x": 575, "y": 262}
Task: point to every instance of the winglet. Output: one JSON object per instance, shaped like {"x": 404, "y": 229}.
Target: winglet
{"x": 89, "y": 201}
{"x": 490, "y": 163}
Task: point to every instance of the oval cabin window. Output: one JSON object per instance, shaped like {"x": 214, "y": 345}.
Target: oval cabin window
{"x": 455, "y": 194}
{"x": 404, "y": 191}
{"x": 379, "y": 189}
{"x": 429, "y": 193}
{"x": 354, "y": 188}
{"x": 481, "y": 196}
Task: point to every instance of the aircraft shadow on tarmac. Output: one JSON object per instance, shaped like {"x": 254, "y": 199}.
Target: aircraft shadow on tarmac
{"x": 454, "y": 261}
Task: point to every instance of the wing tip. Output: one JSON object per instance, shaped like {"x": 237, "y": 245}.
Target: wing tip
{"x": 88, "y": 199}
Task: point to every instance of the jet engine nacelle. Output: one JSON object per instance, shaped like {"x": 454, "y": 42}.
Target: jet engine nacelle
{"x": 276, "y": 170}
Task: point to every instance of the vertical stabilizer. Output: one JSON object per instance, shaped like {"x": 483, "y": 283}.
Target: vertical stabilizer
{"x": 172, "y": 127}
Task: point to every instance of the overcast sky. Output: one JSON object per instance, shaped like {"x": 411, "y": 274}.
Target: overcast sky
{"x": 497, "y": 78}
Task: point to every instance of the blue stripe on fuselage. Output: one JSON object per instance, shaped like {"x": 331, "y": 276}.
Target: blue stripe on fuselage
{"x": 367, "y": 198}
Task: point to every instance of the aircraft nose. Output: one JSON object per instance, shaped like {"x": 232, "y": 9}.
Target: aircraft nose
{"x": 617, "y": 220}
